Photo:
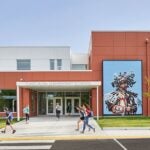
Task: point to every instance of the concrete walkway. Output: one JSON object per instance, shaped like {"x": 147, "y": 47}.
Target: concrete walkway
{"x": 50, "y": 126}
{"x": 46, "y": 127}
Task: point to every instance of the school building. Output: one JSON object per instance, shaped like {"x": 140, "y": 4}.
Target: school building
{"x": 43, "y": 76}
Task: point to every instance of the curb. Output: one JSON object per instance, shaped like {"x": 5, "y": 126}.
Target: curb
{"x": 126, "y": 128}
{"x": 68, "y": 138}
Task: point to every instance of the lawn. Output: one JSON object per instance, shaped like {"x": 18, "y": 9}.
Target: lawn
{"x": 3, "y": 122}
{"x": 131, "y": 121}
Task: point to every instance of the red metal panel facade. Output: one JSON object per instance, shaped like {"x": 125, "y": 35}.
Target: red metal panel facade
{"x": 104, "y": 46}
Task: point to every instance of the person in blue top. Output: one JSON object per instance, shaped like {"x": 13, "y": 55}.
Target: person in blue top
{"x": 9, "y": 118}
{"x": 26, "y": 112}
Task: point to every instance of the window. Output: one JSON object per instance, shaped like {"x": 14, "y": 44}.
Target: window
{"x": 52, "y": 64}
{"x": 33, "y": 102}
{"x": 59, "y": 64}
{"x": 23, "y": 64}
{"x": 8, "y": 100}
{"x": 79, "y": 67}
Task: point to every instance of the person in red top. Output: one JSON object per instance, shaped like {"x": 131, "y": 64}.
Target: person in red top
{"x": 87, "y": 115}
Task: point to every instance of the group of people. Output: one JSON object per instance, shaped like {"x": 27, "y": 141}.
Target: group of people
{"x": 85, "y": 114}
{"x": 84, "y": 111}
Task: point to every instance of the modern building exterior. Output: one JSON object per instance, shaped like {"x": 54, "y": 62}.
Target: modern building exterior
{"x": 43, "y": 76}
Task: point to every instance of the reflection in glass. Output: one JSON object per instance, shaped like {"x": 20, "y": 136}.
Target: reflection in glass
{"x": 42, "y": 103}
{"x": 50, "y": 106}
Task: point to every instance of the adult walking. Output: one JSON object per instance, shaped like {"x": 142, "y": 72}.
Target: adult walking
{"x": 58, "y": 110}
{"x": 26, "y": 111}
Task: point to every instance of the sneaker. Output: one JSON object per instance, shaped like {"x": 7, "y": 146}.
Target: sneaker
{"x": 13, "y": 131}
{"x": 82, "y": 132}
{"x": 2, "y": 131}
{"x": 76, "y": 129}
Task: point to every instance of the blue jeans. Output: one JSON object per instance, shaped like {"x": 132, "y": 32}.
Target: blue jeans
{"x": 86, "y": 123}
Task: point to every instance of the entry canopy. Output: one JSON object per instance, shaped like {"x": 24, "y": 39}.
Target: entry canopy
{"x": 74, "y": 85}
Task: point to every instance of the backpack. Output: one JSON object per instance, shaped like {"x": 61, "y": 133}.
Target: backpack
{"x": 91, "y": 114}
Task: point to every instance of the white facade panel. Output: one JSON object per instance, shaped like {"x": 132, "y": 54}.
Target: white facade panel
{"x": 40, "y": 64}
{"x": 8, "y": 64}
{"x": 39, "y": 57}
{"x": 34, "y": 52}
{"x": 66, "y": 64}
{"x": 79, "y": 58}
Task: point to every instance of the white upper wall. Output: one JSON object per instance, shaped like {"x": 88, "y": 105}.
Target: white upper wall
{"x": 39, "y": 57}
{"x": 77, "y": 58}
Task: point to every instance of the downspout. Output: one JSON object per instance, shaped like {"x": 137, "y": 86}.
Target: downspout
{"x": 147, "y": 72}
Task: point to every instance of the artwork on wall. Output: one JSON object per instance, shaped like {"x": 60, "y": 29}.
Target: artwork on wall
{"x": 122, "y": 87}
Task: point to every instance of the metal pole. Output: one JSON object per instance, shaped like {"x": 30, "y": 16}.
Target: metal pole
{"x": 97, "y": 103}
{"x": 18, "y": 104}
{"x": 147, "y": 72}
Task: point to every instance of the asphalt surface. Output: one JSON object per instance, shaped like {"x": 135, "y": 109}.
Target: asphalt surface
{"x": 111, "y": 144}
{"x": 104, "y": 144}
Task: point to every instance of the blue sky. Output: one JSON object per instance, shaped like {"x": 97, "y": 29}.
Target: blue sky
{"x": 67, "y": 22}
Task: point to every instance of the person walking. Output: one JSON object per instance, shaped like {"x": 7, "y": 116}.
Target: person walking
{"x": 26, "y": 112}
{"x": 87, "y": 115}
{"x": 81, "y": 119}
{"x": 9, "y": 118}
{"x": 58, "y": 110}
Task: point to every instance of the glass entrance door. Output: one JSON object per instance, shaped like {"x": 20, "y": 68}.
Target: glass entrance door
{"x": 76, "y": 103}
{"x": 42, "y": 103}
{"x": 50, "y": 109}
{"x": 68, "y": 106}
{"x": 71, "y": 104}
{"x": 51, "y": 105}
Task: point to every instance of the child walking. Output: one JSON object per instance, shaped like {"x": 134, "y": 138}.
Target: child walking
{"x": 81, "y": 119}
{"x": 9, "y": 119}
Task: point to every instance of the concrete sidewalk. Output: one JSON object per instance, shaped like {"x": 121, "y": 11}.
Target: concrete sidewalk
{"x": 50, "y": 126}
{"x": 46, "y": 127}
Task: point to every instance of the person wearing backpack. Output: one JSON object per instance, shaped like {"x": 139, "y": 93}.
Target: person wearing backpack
{"x": 88, "y": 114}
{"x": 9, "y": 119}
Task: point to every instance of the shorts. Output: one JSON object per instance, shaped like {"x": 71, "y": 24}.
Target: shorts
{"x": 8, "y": 122}
{"x": 82, "y": 118}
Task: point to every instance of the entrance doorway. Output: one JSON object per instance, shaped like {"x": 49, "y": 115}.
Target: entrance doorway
{"x": 51, "y": 105}
{"x": 46, "y": 102}
{"x": 70, "y": 105}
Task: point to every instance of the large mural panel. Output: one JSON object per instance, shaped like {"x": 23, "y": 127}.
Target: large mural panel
{"x": 122, "y": 87}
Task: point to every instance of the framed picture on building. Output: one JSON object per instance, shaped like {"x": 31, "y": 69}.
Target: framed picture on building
{"x": 122, "y": 87}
